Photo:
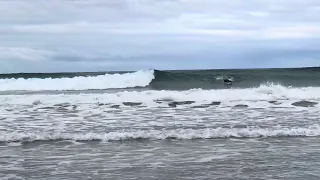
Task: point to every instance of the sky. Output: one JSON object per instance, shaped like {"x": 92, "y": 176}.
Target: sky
{"x": 106, "y": 35}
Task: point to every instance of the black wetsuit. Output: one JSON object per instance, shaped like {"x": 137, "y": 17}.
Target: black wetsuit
{"x": 227, "y": 81}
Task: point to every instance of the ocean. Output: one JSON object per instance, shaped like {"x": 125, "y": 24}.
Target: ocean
{"x": 154, "y": 124}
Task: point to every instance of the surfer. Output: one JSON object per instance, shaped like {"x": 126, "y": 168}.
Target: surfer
{"x": 227, "y": 81}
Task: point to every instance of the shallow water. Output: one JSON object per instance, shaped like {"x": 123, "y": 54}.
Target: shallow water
{"x": 270, "y": 158}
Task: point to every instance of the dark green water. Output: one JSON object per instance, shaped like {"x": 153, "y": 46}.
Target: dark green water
{"x": 212, "y": 79}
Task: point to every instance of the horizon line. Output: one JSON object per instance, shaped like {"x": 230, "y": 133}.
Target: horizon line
{"x": 126, "y": 71}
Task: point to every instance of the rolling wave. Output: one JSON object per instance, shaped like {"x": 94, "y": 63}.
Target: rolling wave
{"x": 106, "y": 81}
{"x": 265, "y": 92}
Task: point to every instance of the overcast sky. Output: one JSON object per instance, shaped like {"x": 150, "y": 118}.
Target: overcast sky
{"x": 103, "y": 35}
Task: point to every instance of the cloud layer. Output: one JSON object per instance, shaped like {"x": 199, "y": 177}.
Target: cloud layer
{"x": 99, "y": 35}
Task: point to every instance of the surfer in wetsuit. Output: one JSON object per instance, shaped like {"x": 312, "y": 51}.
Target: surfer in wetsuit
{"x": 227, "y": 81}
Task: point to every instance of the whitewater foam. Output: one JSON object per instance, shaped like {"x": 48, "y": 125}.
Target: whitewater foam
{"x": 108, "y": 81}
{"x": 207, "y": 133}
{"x": 262, "y": 93}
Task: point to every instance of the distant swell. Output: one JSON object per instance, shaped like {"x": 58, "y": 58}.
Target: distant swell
{"x": 107, "y": 81}
{"x": 183, "y": 134}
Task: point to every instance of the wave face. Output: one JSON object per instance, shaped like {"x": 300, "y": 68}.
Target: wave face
{"x": 247, "y": 78}
{"x": 160, "y": 80}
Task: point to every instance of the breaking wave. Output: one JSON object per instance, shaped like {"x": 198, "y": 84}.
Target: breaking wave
{"x": 183, "y": 134}
{"x": 108, "y": 81}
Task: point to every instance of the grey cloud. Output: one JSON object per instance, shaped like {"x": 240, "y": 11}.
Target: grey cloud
{"x": 118, "y": 34}
{"x": 63, "y": 11}
{"x": 154, "y": 16}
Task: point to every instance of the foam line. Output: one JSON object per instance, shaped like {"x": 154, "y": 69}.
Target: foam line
{"x": 208, "y": 133}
